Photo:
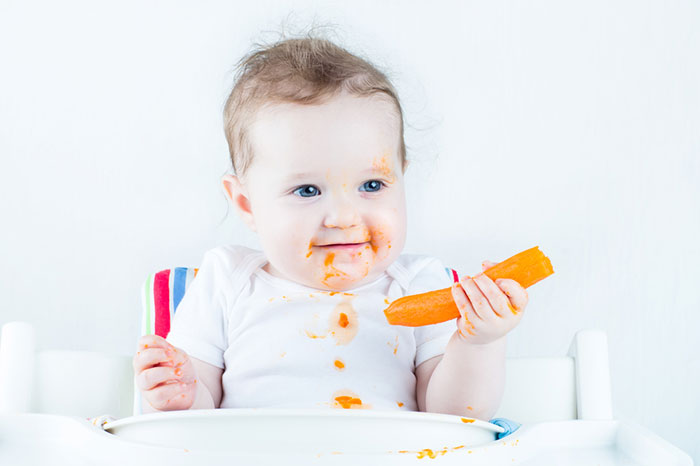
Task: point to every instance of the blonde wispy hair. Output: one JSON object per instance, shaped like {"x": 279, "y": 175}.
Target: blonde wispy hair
{"x": 303, "y": 70}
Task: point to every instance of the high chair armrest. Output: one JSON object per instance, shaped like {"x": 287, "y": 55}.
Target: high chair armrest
{"x": 590, "y": 352}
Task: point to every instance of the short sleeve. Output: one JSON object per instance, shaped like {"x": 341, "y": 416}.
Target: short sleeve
{"x": 431, "y": 340}
{"x": 198, "y": 325}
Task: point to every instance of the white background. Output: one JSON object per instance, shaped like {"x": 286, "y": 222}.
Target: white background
{"x": 574, "y": 126}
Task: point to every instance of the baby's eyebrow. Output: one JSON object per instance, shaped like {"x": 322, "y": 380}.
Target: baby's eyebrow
{"x": 303, "y": 175}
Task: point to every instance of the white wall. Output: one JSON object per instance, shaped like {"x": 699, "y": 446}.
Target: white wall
{"x": 572, "y": 126}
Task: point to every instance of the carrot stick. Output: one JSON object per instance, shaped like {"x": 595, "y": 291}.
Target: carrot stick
{"x": 526, "y": 268}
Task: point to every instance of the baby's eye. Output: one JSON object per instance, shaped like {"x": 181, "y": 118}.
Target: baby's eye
{"x": 307, "y": 191}
{"x": 372, "y": 185}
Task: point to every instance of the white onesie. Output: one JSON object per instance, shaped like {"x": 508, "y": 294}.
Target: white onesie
{"x": 284, "y": 345}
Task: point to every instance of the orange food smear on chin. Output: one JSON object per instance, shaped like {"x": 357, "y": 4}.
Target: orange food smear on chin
{"x": 343, "y": 321}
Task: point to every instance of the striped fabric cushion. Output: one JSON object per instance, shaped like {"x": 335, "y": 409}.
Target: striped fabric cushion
{"x": 162, "y": 293}
{"x": 452, "y": 274}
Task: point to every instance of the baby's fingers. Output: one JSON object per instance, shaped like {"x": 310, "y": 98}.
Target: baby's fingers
{"x": 153, "y": 341}
{"x": 466, "y": 323}
{"x": 151, "y": 357}
{"x": 515, "y": 292}
{"x": 487, "y": 265}
{"x": 151, "y": 378}
{"x": 172, "y": 396}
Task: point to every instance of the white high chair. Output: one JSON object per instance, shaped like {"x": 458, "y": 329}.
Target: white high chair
{"x": 576, "y": 386}
{"x": 564, "y": 404}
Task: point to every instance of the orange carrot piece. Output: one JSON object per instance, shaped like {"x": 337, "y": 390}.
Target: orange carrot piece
{"x": 526, "y": 268}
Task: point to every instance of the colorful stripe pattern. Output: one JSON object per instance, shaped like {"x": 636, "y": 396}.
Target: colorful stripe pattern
{"x": 162, "y": 293}
{"x": 452, "y": 273}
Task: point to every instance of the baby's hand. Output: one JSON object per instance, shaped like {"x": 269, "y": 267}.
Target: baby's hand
{"x": 489, "y": 309}
{"x": 164, "y": 374}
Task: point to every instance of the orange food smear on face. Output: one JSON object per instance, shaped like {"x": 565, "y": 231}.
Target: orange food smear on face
{"x": 467, "y": 420}
{"x": 343, "y": 321}
{"x": 309, "y": 253}
{"x": 470, "y": 408}
{"x": 329, "y": 259}
{"x": 383, "y": 165}
{"x": 339, "y": 364}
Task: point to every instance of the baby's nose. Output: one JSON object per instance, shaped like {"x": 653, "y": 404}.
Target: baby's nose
{"x": 342, "y": 214}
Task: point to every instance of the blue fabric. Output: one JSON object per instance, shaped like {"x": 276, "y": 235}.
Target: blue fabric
{"x": 179, "y": 284}
{"x": 507, "y": 424}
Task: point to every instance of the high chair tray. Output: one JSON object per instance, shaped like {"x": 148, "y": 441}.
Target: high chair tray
{"x": 295, "y": 431}
{"x": 28, "y": 439}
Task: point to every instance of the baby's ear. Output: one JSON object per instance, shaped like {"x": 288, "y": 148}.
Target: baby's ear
{"x": 237, "y": 195}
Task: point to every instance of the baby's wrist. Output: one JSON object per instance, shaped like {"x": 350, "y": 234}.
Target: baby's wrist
{"x": 202, "y": 397}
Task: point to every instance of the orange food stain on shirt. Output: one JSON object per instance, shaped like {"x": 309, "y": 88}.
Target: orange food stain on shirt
{"x": 339, "y": 364}
{"x": 343, "y": 322}
{"x": 396, "y": 347}
{"x": 386, "y": 300}
{"x": 470, "y": 408}
{"x": 467, "y": 420}
{"x": 313, "y": 335}
{"x": 399, "y": 403}
{"x": 346, "y": 402}
{"x": 346, "y": 399}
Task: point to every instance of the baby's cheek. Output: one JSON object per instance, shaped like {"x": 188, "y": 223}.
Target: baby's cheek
{"x": 381, "y": 242}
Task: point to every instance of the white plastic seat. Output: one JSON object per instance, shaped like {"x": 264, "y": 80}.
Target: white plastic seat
{"x": 89, "y": 384}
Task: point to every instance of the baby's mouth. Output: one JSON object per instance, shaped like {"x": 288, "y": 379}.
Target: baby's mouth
{"x": 344, "y": 246}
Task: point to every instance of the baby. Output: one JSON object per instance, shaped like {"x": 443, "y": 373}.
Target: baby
{"x": 316, "y": 142}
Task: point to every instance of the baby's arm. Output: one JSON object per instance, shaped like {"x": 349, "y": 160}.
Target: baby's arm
{"x": 469, "y": 379}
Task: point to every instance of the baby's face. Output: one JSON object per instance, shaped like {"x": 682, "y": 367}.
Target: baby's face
{"x": 326, "y": 190}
